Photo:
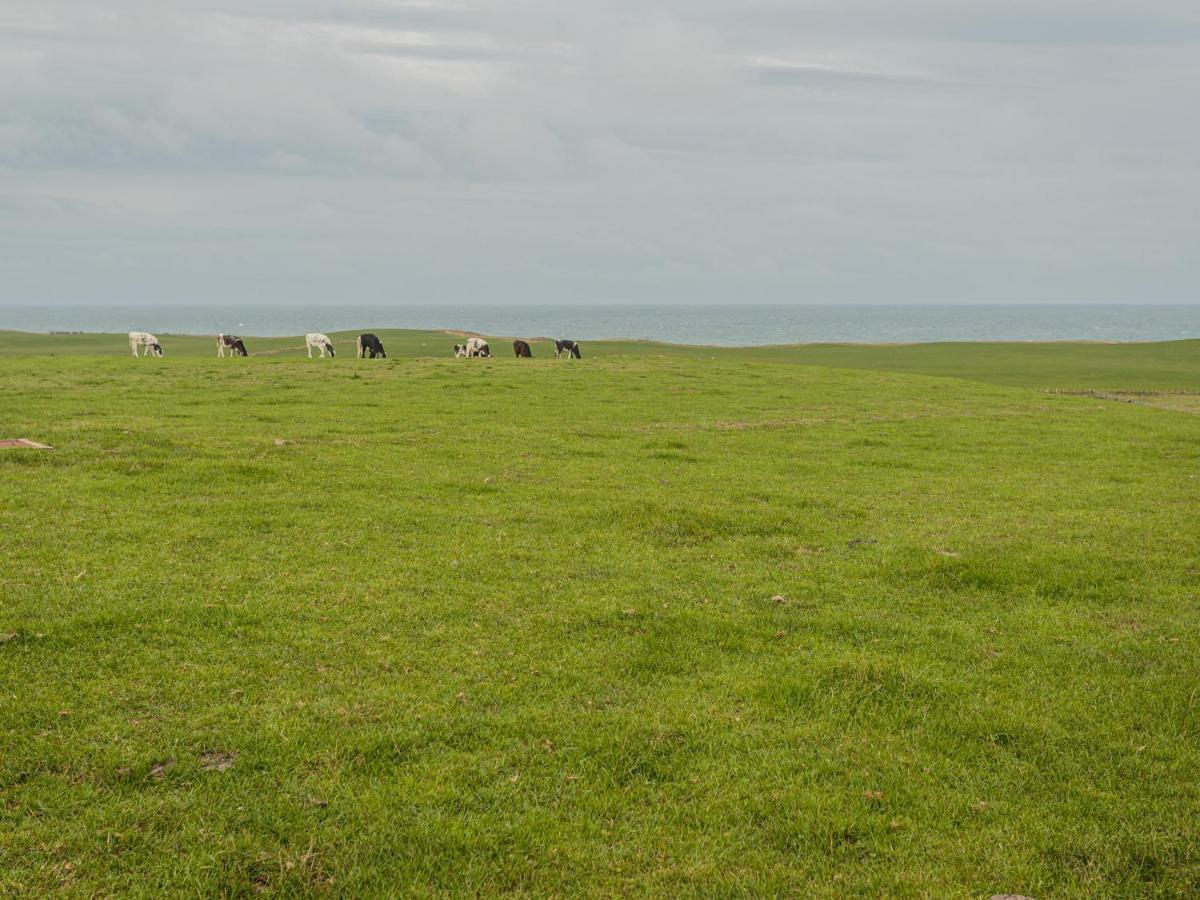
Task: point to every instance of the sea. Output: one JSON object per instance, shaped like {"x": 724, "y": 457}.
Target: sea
{"x": 730, "y": 325}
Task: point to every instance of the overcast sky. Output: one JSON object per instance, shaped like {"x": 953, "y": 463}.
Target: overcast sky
{"x": 543, "y": 151}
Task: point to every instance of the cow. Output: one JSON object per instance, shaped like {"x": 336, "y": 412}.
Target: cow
{"x": 144, "y": 339}
{"x": 232, "y": 343}
{"x": 473, "y": 347}
{"x": 370, "y": 344}
{"x": 568, "y": 347}
{"x": 322, "y": 343}
{"x": 521, "y": 348}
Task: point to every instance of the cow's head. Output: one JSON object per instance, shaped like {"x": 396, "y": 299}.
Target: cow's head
{"x": 329, "y": 348}
{"x": 459, "y": 350}
{"x": 382, "y": 355}
{"x": 240, "y": 348}
{"x": 575, "y": 351}
{"x": 156, "y": 349}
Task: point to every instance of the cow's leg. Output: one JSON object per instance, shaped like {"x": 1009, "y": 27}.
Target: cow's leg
{"x": 310, "y": 351}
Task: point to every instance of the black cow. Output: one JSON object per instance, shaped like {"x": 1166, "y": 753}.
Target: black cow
{"x": 369, "y": 344}
{"x": 568, "y": 347}
{"x": 232, "y": 343}
{"x": 521, "y": 348}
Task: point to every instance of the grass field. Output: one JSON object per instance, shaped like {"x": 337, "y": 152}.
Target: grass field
{"x": 819, "y": 621}
{"x": 1171, "y": 368}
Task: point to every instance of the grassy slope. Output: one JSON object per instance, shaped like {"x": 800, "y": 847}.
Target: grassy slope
{"x": 1173, "y": 365}
{"x": 501, "y": 625}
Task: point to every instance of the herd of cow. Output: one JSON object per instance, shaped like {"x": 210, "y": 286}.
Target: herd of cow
{"x": 369, "y": 346}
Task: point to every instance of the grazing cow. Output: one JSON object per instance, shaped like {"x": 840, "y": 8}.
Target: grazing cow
{"x": 521, "y": 348}
{"x": 370, "y": 344}
{"x": 322, "y": 343}
{"x": 144, "y": 339}
{"x": 232, "y": 343}
{"x": 568, "y": 347}
{"x": 473, "y": 347}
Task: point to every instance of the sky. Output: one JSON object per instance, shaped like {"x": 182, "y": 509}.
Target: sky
{"x": 550, "y": 151}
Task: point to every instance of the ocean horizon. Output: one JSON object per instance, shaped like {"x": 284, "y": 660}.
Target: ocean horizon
{"x": 718, "y": 325}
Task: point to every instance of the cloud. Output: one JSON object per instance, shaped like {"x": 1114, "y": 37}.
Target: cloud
{"x": 537, "y": 151}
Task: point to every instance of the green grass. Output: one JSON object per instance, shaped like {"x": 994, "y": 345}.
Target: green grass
{"x": 471, "y": 627}
{"x": 1165, "y": 366}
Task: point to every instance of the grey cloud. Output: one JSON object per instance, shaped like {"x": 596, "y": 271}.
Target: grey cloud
{"x": 537, "y": 150}
{"x": 810, "y": 75}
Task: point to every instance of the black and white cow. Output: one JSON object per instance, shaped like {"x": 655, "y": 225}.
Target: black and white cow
{"x": 144, "y": 339}
{"x": 369, "y": 344}
{"x": 473, "y": 347}
{"x": 320, "y": 342}
{"x": 568, "y": 347}
{"x": 521, "y": 348}
{"x": 232, "y": 343}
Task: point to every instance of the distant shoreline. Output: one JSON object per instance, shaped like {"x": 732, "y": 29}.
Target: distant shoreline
{"x": 698, "y": 326}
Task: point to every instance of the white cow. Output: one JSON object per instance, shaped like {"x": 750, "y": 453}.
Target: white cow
{"x": 473, "y": 347}
{"x": 322, "y": 343}
{"x": 144, "y": 339}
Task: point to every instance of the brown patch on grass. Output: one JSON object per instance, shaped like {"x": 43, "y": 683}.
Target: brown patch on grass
{"x": 1176, "y": 401}
{"x": 216, "y": 760}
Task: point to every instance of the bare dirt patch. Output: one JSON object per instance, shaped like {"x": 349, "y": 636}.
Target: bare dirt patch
{"x": 216, "y": 760}
{"x": 158, "y": 771}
